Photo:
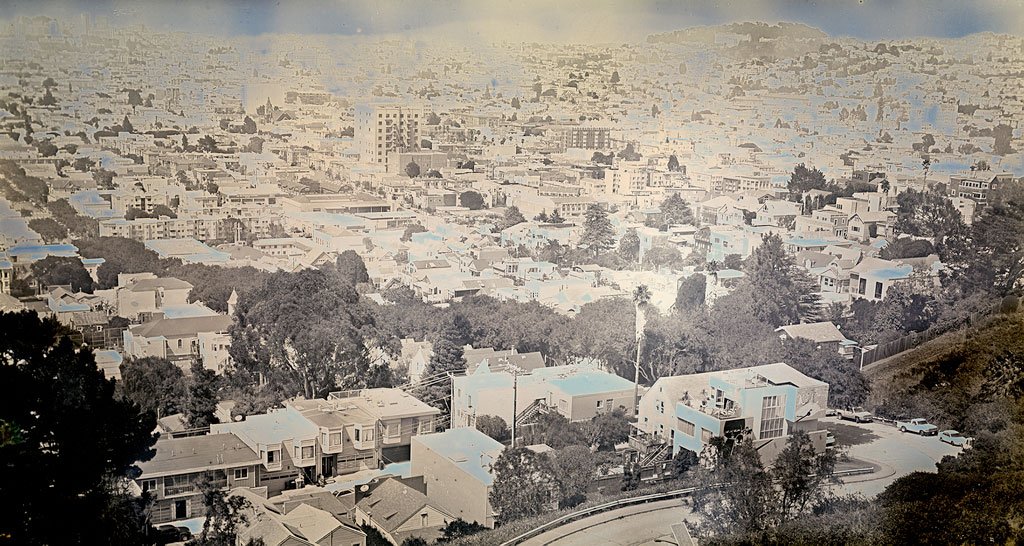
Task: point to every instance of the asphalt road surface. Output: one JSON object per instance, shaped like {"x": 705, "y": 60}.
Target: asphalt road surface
{"x": 631, "y": 526}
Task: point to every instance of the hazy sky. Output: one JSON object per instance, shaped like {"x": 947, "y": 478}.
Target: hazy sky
{"x": 547, "y": 20}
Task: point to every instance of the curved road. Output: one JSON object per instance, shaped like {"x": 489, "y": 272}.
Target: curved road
{"x": 629, "y": 526}
{"x": 896, "y": 453}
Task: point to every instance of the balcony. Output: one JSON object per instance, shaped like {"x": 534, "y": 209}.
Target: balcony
{"x": 643, "y": 441}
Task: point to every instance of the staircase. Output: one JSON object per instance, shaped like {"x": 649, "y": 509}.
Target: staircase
{"x": 530, "y": 412}
{"x": 658, "y": 455}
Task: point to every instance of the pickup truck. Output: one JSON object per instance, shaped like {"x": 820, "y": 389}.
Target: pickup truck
{"x": 858, "y": 414}
{"x": 919, "y": 426}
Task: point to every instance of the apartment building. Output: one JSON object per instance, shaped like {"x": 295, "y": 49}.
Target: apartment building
{"x": 765, "y": 403}
{"x": 384, "y": 128}
{"x": 171, "y": 477}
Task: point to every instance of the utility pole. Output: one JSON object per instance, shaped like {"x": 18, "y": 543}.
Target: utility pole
{"x": 515, "y": 391}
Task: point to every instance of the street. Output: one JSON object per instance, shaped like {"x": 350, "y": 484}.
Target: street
{"x": 895, "y": 453}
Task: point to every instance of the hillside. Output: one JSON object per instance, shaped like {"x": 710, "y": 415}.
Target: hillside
{"x": 968, "y": 380}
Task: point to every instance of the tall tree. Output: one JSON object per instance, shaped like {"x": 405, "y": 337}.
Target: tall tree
{"x": 574, "y": 468}
{"x": 201, "y": 398}
{"x": 675, "y": 211}
{"x": 629, "y": 246}
{"x": 154, "y": 384}
{"x": 673, "y": 163}
{"x": 302, "y": 333}
{"x": 54, "y": 270}
{"x": 598, "y": 234}
{"x": 512, "y": 217}
{"x": 803, "y": 179}
{"x": 524, "y": 484}
{"x": 351, "y": 268}
{"x": 784, "y": 295}
{"x": 691, "y": 293}
{"x": 66, "y": 441}
{"x": 471, "y": 200}
{"x": 802, "y": 476}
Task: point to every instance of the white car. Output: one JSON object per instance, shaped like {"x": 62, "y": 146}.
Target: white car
{"x": 954, "y": 438}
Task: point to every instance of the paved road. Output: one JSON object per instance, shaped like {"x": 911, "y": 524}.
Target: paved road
{"x": 896, "y": 453}
{"x": 630, "y": 526}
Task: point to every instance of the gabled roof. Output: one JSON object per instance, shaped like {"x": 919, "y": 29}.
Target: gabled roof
{"x": 180, "y": 327}
{"x": 392, "y": 503}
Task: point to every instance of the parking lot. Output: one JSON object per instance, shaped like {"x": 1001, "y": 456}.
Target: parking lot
{"x": 896, "y": 454}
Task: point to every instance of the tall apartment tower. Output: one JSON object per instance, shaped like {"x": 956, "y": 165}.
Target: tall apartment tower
{"x": 384, "y": 128}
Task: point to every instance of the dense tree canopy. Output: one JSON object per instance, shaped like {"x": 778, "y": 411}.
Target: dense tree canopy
{"x": 54, "y": 270}
{"x": 66, "y": 441}
{"x": 524, "y": 484}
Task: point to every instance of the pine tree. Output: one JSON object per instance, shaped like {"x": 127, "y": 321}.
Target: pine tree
{"x": 598, "y": 234}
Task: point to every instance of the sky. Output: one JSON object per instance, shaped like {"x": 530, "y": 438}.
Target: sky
{"x": 587, "y": 21}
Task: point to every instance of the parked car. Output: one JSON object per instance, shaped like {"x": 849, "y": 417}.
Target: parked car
{"x": 830, "y": 412}
{"x": 857, "y": 414}
{"x": 954, "y": 438}
{"x": 830, "y": 439}
{"x": 168, "y": 534}
{"x": 918, "y": 426}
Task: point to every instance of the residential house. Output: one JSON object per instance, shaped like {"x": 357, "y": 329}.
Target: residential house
{"x": 576, "y": 391}
{"x": 149, "y": 295}
{"x": 181, "y": 340}
{"x": 824, "y": 334}
{"x": 764, "y": 403}
{"x": 171, "y": 476}
{"x": 398, "y": 414}
{"x": 302, "y": 525}
{"x": 399, "y": 511}
{"x": 456, "y": 468}
{"x": 872, "y": 277}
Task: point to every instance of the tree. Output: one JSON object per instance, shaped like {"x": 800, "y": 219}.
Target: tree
{"x": 411, "y": 230}
{"x": 459, "y": 528}
{"x": 555, "y": 217}
{"x": 201, "y": 397}
{"x": 104, "y": 179}
{"x": 784, "y": 294}
{"x": 673, "y": 163}
{"x": 49, "y": 229}
{"x": 412, "y": 169}
{"x": 574, "y": 468}
{"x": 598, "y": 234}
{"x": 683, "y": 461}
{"x": 1003, "y": 135}
{"x": 848, "y": 387}
{"x": 207, "y": 144}
{"x": 273, "y": 338}
{"x": 746, "y": 500}
{"x": 126, "y": 126}
{"x": 926, "y": 214}
{"x": 675, "y": 211}
{"x": 471, "y": 200}
{"x": 351, "y": 268}
{"x": 248, "y": 126}
{"x": 515, "y": 103}
{"x": 54, "y": 270}
{"x": 59, "y": 412}
{"x": 154, "y": 384}
{"x": 615, "y": 77}
{"x": 255, "y": 145}
{"x": 47, "y": 99}
{"x": 447, "y": 358}
{"x": 46, "y": 148}
{"x": 512, "y": 217}
{"x": 524, "y": 484}
{"x": 802, "y": 476}
{"x": 609, "y": 428}
{"x": 629, "y": 246}
{"x": 494, "y": 426}
{"x": 224, "y": 514}
{"x": 691, "y": 293}
{"x": 804, "y": 179}
{"x": 906, "y": 247}
{"x": 134, "y": 97}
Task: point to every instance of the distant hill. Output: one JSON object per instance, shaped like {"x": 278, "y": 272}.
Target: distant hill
{"x": 750, "y": 40}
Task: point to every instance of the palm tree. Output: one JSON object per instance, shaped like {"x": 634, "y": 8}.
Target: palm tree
{"x": 641, "y": 297}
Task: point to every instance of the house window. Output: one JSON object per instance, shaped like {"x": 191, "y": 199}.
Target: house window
{"x": 862, "y": 286}
{"x": 148, "y": 485}
{"x": 660, "y": 406}
{"x": 878, "y": 290}
{"x": 271, "y": 456}
{"x": 772, "y": 419}
{"x": 356, "y": 435}
{"x": 307, "y": 452}
{"x": 686, "y": 427}
{"x": 335, "y": 439}
{"x": 599, "y": 404}
{"x": 241, "y": 473}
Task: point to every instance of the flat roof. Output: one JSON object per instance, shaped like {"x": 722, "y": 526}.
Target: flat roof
{"x": 467, "y": 448}
{"x": 192, "y": 453}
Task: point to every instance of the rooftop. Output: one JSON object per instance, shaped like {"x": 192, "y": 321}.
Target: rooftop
{"x": 193, "y": 453}
{"x": 467, "y": 448}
